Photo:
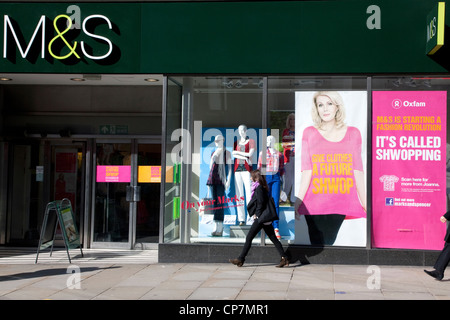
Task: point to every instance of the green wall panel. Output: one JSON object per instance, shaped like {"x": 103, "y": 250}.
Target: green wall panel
{"x": 287, "y": 37}
{"x": 302, "y": 37}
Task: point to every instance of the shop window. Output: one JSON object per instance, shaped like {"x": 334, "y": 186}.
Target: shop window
{"x": 220, "y": 115}
{"x": 171, "y": 204}
{"x": 215, "y": 113}
{"x": 324, "y": 155}
{"x": 351, "y": 178}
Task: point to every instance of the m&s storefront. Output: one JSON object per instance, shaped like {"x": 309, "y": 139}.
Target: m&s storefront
{"x": 148, "y": 117}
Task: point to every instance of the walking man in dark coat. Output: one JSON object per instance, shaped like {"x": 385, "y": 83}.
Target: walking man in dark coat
{"x": 444, "y": 257}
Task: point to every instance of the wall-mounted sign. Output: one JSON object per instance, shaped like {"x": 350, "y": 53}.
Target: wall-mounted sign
{"x": 149, "y": 174}
{"x": 40, "y": 173}
{"x": 113, "y": 174}
{"x": 435, "y": 28}
{"x": 115, "y": 37}
{"x": 67, "y": 38}
{"x": 113, "y": 129}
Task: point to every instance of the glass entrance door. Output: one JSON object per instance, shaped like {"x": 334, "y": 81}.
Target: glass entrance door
{"x": 126, "y": 193}
{"x": 149, "y": 185}
{"x": 111, "y": 208}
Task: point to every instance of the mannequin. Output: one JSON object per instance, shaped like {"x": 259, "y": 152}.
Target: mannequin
{"x": 219, "y": 181}
{"x": 243, "y": 151}
{"x": 273, "y": 169}
{"x": 288, "y": 142}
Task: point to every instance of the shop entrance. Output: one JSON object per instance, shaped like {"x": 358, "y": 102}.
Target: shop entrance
{"x": 127, "y": 180}
{"x": 42, "y": 171}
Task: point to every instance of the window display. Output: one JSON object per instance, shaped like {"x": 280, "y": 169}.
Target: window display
{"x": 224, "y": 181}
{"x": 228, "y": 141}
{"x": 309, "y": 137}
{"x": 215, "y": 151}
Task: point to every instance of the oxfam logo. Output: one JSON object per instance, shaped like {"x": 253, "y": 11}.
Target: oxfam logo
{"x": 396, "y": 103}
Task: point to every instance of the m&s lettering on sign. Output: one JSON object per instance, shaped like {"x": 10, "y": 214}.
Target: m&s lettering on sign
{"x": 435, "y": 28}
{"x": 55, "y": 37}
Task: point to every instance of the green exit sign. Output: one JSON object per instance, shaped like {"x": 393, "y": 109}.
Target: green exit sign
{"x": 435, "y": 28}
{"x": 113, "y": 129}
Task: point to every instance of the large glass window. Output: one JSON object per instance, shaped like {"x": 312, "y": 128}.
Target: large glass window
{"x": 330, "y": 145}
{"x": 222, "y": 120}
{"x": 226, "y": 124}
{"x": 171, "y": 205}
{"x": 319, "y": 125}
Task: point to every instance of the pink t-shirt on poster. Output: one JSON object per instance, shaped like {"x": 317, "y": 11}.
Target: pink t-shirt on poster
{"x": 332, "y": 189}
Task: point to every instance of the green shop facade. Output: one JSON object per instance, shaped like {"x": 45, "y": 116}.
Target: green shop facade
{"x": 126, "y": 108}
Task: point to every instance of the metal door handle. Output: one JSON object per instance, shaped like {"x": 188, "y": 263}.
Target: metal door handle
{"x": 133, "y": 193}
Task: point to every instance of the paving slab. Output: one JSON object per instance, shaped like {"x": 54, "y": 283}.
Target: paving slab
{"x": 129, "y": 275}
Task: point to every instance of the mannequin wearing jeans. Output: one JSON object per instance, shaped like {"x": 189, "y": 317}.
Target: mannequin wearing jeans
{"x": 243, "y": 151}
{"x": 273, "y": 169}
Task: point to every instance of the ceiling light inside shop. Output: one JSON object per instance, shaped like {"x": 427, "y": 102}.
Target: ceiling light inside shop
{"x": 5, "y": 79}
{"x": 151, "y": 80}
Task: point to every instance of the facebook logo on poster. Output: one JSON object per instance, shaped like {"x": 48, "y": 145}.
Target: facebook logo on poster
{"x": 389, "y": 201}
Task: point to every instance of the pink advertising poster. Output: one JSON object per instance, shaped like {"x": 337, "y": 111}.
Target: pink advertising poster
{"x": 113, "y": 173}
{"x": 409, "y": 169}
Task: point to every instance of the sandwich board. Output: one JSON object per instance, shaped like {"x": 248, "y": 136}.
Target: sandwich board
{"x": 60, "y": 213}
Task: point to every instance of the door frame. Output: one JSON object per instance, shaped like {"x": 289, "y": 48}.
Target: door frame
{"x": 137, "y": 141}
{"x": 107, "y": 244}
{"x": 83, "y": 209}
{"x": 134, "y": 141}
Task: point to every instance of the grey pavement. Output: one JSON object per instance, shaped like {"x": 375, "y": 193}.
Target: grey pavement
{"x": 137, "y": 275}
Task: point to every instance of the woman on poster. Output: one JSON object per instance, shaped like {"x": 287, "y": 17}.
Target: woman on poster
{"x": 332, "y": 181}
